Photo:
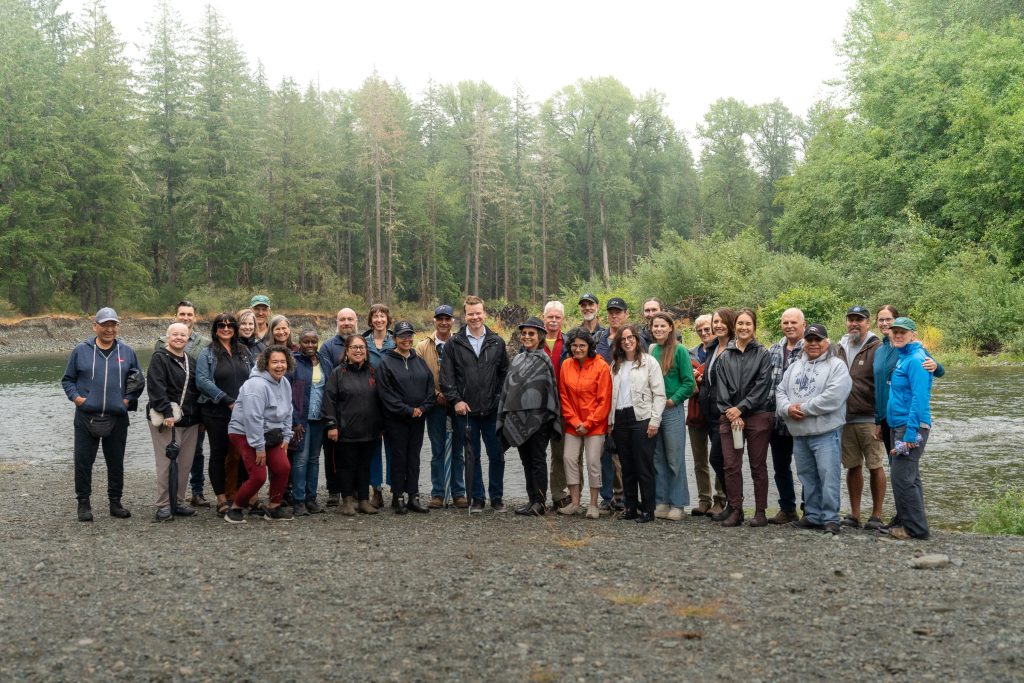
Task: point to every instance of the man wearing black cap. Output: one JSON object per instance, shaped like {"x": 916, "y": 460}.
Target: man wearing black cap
{"x": 439, "y": 428}
{"x": 96, "y": 381}
{"x": 588, "y": 309}
{"x": 811, "y": 398}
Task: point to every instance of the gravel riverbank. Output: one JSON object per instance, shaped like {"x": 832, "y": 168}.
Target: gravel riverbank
{"x": 492, "y": 597}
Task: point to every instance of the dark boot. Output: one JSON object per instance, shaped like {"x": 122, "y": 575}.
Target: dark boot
{"x": 117, "y": 510}
{"x": 735, "y": 518}
{"x": 377, "y": 499}
{"x": 398, "y": 504}
{"x": 348, "y": 506}
{"x": 723, "y": 515}
{"x": 759, "y": 519}
{"x": 414, "y": 505}
{"x": 84, "y": 510}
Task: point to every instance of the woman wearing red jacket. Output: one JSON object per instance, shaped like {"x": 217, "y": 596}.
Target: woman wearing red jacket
{"x": 586, "y": 393}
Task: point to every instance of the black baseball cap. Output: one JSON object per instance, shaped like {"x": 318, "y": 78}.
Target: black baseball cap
{"x": 616, "y": 302}
{"x": 816, "y": 330}
{"x": 859, "y": 311}
{"x": 589, "y": 297}
{"x": 403, "y": 327}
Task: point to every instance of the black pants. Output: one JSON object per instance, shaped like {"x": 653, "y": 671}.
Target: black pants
{"x": 405, "y": 437}
{"x": 533, "y": 453}
{"x": 354, "y": 467}
{"x": 196, "y": 476}
{"x": 215, "y": 419}
{"x": 782, "y": 463}
{"x": 86, "y": 447}
{"x": 636, "y": 454}
{"x": 715, "y": 457}
{"x": 332, "y": 465}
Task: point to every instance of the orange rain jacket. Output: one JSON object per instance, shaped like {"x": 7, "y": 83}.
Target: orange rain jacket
{"x": 586, "y": 394}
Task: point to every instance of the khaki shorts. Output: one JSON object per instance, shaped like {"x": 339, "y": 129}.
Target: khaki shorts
{"x": 860, "y": 447}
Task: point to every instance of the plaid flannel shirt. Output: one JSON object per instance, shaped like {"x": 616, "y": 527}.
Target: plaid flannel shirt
{"x": 779, "y": 365}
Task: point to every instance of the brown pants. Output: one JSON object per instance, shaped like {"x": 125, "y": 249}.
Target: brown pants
{"x": 702, "y": 468}
{"x": 187, "y": 438}
{"x": 757, "y": 432}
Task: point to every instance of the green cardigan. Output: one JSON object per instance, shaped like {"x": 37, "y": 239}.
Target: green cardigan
{"x": 679, "y": 382}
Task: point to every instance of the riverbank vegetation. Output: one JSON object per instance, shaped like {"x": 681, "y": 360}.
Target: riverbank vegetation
{"x": 1003, "y": 515}
{"x": 187, "y": 173}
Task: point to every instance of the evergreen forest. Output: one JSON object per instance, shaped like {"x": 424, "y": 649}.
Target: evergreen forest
{"x": 135, "y": 182}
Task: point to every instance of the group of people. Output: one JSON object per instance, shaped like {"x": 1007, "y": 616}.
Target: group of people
{"x": 617, "y": 402}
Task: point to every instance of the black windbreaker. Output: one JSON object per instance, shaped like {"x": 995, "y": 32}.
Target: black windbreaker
{"x": 475, "y": 380}
{"x": 351, "y": 403}
{"x": 404, "y": 384}
{"x": 743, "y": 379}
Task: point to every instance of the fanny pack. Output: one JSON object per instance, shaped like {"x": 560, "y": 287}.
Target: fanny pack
{"x": 101, "y": 426}
{"x": 273, "y": 438}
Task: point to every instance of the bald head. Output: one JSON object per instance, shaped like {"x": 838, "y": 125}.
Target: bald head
{"x": 347, "y": 322}
{"x": 793, "y": 324}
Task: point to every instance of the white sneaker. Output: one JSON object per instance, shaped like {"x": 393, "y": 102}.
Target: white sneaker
{"x": 593, "y": 512}
{"x": 675, "y": 514}
{"x": 661, "y": 511}
{"x": 569, "y": 509}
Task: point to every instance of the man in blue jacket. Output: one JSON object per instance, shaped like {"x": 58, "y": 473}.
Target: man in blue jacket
{"x": 96, "y": 381}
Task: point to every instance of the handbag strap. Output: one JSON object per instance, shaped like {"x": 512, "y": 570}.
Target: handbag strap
{"x": 184, "y": 387}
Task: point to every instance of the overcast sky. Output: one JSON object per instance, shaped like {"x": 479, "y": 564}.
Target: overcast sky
{"x": 693, "y": 52}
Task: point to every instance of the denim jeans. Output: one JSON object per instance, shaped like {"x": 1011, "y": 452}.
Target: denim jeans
{"x": 820, "y": 470}
{"x": 306, "y": 462}
{"x": 485, "y": 427}
{"x": 442, "y": 457}
{"x": 611, "y": 470}
{"x": 670, "y": 459}
{"x": 377, "y": 472}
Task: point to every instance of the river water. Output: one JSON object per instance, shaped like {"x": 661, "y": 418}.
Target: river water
{"x": 972, "y": 452}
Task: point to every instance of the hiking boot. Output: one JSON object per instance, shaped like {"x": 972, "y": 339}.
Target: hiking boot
{"x": 532, "y": 509}
{"x": 735, "y": 518}
{"x": 366, "y": 508}
{"x": 644, "y": 517}
{"x": 832, "y": 528}
{"x": 84, "y": 511}
{"x": 398, "y": 505}
{"x": 758, "y": 520}
{"x": 661, "y": 510}
{"x": 348, "y": 507}
{"x": 198, "y": 500}
{"x": 299, "y": 509}
{"x": 629, "y": 514}
{"x": 804, "y": 523}
{"x": 312, "y": 507}
{"x": 715, "y": 509}
{"x": 414, "y": 505}
{"x": 784, "y": 517}
{"x": 701, "y": 510}
{"x": 234, "y": 516}
{"x": 461, "y": 502}
{"x": 185, "y": 510}
{"x": 333, "y": 500}
{"x": 569, "y": 509}
{"x": 377, "y": 499}
{"x": 164, "y": 514}
{"x": 278, "y": 514}
{"x": 436, "y": 503}
{"x": 498, "y": 506}
{"x": 674, "y": 514}
{"x": 118, "y": 510}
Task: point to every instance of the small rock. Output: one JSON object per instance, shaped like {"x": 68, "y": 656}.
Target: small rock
{"x": 933, "y": 561}
{"x": 39, "y": 567}
{"x": 668, "y": 644}
{"x": 736, "y": 575}
{"x": 578, "y": 659}
{"x": 82, "y": 642}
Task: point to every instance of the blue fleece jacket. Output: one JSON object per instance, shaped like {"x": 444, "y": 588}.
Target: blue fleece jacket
{"x": 263, "y": 404}
{"x": 886, "y": 356}
{"x": 910, "y": 391}
{"x": 100, "y": 379}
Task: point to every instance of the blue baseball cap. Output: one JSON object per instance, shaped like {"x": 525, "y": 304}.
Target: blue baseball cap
{"x": 444, "y": 309}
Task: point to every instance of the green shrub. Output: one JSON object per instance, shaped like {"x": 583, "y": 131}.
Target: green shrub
{"x": 819, "y": 304}
{"x": 1004, "y": 515}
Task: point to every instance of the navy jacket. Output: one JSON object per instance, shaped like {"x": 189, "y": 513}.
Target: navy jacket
{"x": 405, "y": 384}
{"x": 100, "y": 379}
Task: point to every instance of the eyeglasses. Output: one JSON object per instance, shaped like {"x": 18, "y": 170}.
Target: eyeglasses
{"x": 356, "y": 348}
{"x": 703, "y": 329}
{"x": 629, "y": 338}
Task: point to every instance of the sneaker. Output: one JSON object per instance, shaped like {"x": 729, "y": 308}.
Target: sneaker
{"x": 899, "y": 533}
{"x": 257, "y": 509}
{"x": 832, "y": 528}
{"x": 674, "y": 514}
{"x": 498, "y": 506}
{"x": 569, "y": 509}
{"x": 593, "y": 512}
{"x": 604, "y": 506}
{"x": 164, "y": 514}
{"x": 435, "y": 503}
{"x": 198, "y": 500}
{"x": 312, "y": 507}
{"x": 618, "y": 504}
{"x": 784, "y": 517}
{"x": 333, "y": 500}
{"x": 299, "y": 509}
{"x": 476, "y": 506}
{"x": 850, "y": 521}
{"x": 84, "y": 511}
{"x": 874, "y": 523}
{"x": 280, "y": 513}
{"x": 661, "y": 510}
{"x": 234, "y": 516}
{"x": 185, "y": 510}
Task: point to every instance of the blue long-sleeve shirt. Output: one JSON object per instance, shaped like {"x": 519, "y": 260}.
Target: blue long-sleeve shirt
{"x": 910, "y": 392}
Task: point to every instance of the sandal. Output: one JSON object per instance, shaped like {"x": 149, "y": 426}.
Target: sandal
{"x": 222, "y": 508}
{"x": 851, "y": 521}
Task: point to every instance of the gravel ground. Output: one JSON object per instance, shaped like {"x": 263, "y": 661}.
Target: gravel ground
{"x": 492, "y": 597}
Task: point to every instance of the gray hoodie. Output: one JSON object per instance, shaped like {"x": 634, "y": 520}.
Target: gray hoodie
{"x": 263, "y": 404}
{"x": 820, "y": 386}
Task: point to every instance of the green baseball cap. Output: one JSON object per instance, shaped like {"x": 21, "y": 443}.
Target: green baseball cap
{"x": 904, "y": 324}
{"x": 259, "y": 300}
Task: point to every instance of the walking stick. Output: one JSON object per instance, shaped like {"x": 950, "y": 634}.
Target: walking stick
{"x": 469, "y": 453}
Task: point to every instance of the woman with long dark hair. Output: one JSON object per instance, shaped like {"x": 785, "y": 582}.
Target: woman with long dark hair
{"x": 379, "y": 341}
{"x": 723, "y": 321}
{"x": 743, "y": 388}
{"x": 223, "y": 367}
{"x": 638, "y": 400}
{"x": 355, "y": 422}
{"x": 671, "y": 491}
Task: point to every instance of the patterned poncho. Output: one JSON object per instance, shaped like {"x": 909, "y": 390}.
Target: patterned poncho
{"x": 529, "y": 399}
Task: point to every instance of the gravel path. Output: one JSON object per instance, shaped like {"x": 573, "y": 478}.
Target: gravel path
{"x": 492, "y": 597}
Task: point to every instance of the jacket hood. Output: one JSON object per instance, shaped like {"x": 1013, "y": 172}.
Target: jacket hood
{"x": 751, "y": 346}
{"x": 395, "y": 354}
{"x": 265, "y": 376}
